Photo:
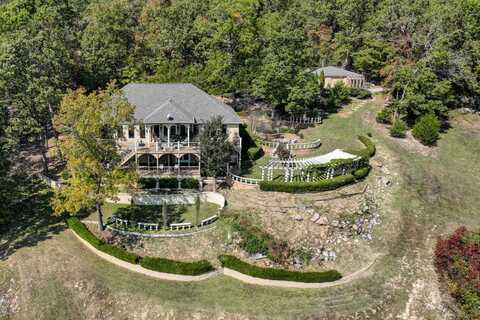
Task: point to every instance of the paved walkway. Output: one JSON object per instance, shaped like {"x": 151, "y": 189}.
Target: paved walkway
{"x": 226, "y": 271}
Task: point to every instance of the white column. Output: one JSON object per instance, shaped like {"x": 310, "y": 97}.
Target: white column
{"x": 188, "y": 135}
{"x": 168, "y": 136}
{"x": 148, "y": 133}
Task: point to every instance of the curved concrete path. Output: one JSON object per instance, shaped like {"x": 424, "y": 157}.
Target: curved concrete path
{"x": 226, "y": 271}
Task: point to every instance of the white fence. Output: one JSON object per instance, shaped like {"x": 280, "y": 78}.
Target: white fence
{"x": 244, "y": 180}
{"x": 293, "y": 146}
{"x": 304, "y": 120}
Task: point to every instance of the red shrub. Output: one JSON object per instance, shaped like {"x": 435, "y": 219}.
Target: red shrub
{"x": 457, "y": 261}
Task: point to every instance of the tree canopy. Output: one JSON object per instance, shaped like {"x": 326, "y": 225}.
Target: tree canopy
{"x": 89, "y": 123}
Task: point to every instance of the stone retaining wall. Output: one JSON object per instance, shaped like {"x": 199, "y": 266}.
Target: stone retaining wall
{"x": 180, "y": 198}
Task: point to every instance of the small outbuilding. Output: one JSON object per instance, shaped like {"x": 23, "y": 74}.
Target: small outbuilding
{"x": 334, "y": 75}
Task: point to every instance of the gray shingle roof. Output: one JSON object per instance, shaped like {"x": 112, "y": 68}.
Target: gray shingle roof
{"x": 336, "y": 72}
{"x": 184, "y": 102}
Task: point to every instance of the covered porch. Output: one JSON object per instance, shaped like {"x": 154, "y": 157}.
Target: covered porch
{"x": 167, "y": 164}
{"x": 170, "y": 134}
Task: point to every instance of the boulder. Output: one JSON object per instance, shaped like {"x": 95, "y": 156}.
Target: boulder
{"x": 315, "y": 217}
{"x": 322, "y": 220}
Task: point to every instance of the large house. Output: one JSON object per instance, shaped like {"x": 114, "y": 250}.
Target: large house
{"x": 163, "y": 140}
{"x": 334, "y": 75}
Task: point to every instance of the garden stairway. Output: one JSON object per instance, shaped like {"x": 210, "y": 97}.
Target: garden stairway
{"x": 126, "y": 155}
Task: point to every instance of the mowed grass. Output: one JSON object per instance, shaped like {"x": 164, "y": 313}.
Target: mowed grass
{"x": 207, "y": 210}
{"x": 433, "y": 194}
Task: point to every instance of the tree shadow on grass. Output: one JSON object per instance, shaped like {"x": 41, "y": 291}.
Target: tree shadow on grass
{"x": 151, "y": 213}
{"x": 29, "y": 216}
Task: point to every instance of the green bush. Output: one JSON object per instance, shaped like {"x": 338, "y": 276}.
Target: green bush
{"x": 427, "y": 129}
{"x": 236, "y": 264}
{"x": 80, "y": 229}
{"x": 398, "y": 129}
{"x": 385, "y": 116}
{"x": 321, "y": 185}
{"x": 190, "y": 183}
{"x": 361, "y": 173}
{"x": 360, "y": 93}
{"x": 369, "y": 150}
{"x": 254, "y": 239}
{"x": 168, "y": 183}
{"x": 255, "y": 153}
{"x": 176, "y": 267}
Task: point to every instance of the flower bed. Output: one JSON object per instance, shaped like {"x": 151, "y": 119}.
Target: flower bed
{"x": 236, "y": 264}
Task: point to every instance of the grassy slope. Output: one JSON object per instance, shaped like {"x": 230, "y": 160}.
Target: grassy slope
{"x": 434, "y": 194}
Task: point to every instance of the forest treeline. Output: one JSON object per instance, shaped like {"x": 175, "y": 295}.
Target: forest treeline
{"x": 426, "y": 51}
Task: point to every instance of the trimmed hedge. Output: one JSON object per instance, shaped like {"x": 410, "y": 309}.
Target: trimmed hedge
{"x": 361, "y": 173}
{"x": 176, "y": 267}
{"x": 152, "y": 263}
{"x": 369, "y": 150}
{"x": 278, "y": 274}
{"x": 189, "y": 183}
{"x": 170, "y": 183}
{"x": 80, "y": 229}
{"x": 321, "y": 185}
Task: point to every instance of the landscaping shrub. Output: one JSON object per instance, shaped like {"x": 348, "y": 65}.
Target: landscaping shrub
{"x": 457, "y": 264}
{"x": 321, "y": 185}
{"x": 168, "y": 183}
{"x": 360, "y": 93}
{"x": 176, "y": 267}
{"x": 369, "y": 150}
{"x": 427, "y": 129}
{"x": 385, "y": 116}
{"x": 361, "y": 173}
{"x": 398, "y": 129}
{"x": 80, "y": 229}
{"x": 254, "y": 240}
{"x": 234, "y": 263}
{"x": 189, "y": 183}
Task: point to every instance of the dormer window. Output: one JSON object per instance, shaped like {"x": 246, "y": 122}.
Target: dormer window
{"x": 169, "y": 117}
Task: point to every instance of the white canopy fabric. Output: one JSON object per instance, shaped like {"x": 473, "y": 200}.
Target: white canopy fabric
{"x": 334, "y": 155}
{"x": 304, "y": 162}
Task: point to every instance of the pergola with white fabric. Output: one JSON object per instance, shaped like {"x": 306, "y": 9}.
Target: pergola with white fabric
{"x": 293, "y": 167}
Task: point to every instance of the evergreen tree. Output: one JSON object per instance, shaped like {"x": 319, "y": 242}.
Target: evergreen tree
{"x": 215, "y": 149}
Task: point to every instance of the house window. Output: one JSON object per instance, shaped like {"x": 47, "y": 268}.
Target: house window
{"x": 131, "y": 132}
{"x": 142, "y": 131}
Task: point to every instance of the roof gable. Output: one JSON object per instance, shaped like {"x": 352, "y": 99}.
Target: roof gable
{"x": 336, "y": 72}
{"x": 169, "y": 111}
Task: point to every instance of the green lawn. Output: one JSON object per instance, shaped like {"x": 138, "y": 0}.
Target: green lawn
{"x": 153, "y": 214}
{"x": 336, "y": 132}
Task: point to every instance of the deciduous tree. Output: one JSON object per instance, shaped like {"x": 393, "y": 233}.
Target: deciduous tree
{"x": 89, "y": 123}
